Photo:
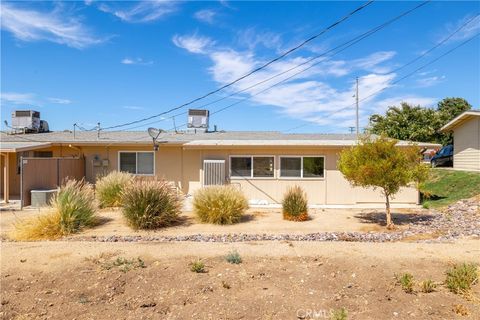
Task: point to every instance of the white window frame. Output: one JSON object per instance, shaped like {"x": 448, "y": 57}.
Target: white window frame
{"x": 301, "y": 167}
{"x": 136, "y": 162}
{"x": 251, "y": 169}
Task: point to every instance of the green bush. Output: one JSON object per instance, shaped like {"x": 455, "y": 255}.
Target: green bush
{"x": 461, "y": 277}
{"x": 219, "y": 204}
{"x": 109, "y": 188}
{"x": 295, "y": 204}
{"x": 150, "y": 204}
{"x": 72, "y": 209}
{"x": 233, "y": 257}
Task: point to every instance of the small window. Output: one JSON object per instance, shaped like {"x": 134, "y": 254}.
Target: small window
{"x": 241, "y": 166}
{"x": 252, "y": 167}
{"x": 43, "y": 154}
{"x": 291, "y": 167}
{"x": 141, "y": 163}
{"x": 302, "y": 167}
{"x": 263, "y": 167}
{"x": 313, "y": 167}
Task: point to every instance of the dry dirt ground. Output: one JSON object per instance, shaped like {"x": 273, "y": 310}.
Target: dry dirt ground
{"x": 276, "y": 280}
{"x": 255, "y": 221}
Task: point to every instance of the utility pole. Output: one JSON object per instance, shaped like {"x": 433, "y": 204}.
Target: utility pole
{"x": 356, "y": 102}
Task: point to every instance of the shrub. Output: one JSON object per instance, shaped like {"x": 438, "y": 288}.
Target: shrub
{"x": 339, "y": 314}
{"x": 72, "y": 209}
{"x": 219, "y": 204}
{"x": 461, "y": 277}
{"x": 150, "y": 204}
{"x": 197, "y": 266}
{"x": 295, "y": 204}
{"x": 109, "y": 188}
{"x": 233, "y": 257}
{"x": 406, "y": 281}
{"x": 428, "y": 286}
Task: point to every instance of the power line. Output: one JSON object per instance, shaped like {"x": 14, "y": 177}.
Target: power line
{"x": 394, "y": 82}
{"x": 333, "y": 25}
{"x": 342, "y": 47}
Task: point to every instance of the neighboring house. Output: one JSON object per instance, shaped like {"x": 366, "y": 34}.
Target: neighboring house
{"x": 262, "y": 164}
{"x": 466, "y": 140}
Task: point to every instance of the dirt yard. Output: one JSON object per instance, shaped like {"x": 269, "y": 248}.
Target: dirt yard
{"x": 276, "y": 279}
{"x": 255, "y": 221}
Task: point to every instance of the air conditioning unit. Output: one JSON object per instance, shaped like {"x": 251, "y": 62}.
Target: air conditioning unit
{"x": 198, "y": 119}
{"x": 28, "y": 121}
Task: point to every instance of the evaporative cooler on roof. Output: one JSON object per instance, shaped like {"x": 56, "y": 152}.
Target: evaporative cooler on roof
{"x": 198, "y": 119}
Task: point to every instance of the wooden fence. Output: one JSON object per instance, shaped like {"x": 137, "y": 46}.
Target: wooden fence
{"x": 47, "y": 174}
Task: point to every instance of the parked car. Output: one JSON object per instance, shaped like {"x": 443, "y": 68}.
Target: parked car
{"x": 444, "y": 157}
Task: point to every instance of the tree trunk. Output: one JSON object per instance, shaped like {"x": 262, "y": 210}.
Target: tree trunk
{"x": 390, "y": 224}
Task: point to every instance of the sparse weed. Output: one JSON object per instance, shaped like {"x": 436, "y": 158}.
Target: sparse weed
{"x": 197, "y": 266}
{"x": 233, "y": 257}
{"x": 339, "y": 314}
{"x": 428, "y": 286}
{"x": 406, "y": 281}
{"x": 124, "y": 264}
{"x": 461, "y": 277}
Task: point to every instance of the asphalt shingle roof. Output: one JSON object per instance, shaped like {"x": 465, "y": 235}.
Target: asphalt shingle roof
{"x": 260, "y": 138}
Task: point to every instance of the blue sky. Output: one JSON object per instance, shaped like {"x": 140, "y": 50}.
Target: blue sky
{"x": 115, "y": 62}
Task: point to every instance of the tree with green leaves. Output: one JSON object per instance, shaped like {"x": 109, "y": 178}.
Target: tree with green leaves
{"x": 447, "y": 109}
{"x": 381, "y": 164}
{"x": 416, "y": 123}
{"x": 406, "y": 122}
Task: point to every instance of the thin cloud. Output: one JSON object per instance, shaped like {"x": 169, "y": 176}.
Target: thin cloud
{"x": 193, "y": 43}
{"x": 206, "y": 15}
{"x": 133, "y": 108}
{"x": 136, "y": 61}
{"x": 140, "y": 12}
{"x": 59, "y": 101}
{"x": 251, "y": 38}
{"x": 18, "y": 98}
{"x": 55, "y": 26}
{"x": 430, "y": 81}
{"x": 472, "y": 28}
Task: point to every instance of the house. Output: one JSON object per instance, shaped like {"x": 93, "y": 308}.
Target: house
{"x": 466, "y": 140}
{"x": 262, "y": 164}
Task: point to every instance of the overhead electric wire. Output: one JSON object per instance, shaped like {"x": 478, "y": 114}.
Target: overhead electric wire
{"x": 394, "y": 82}
{"x": 303, "y": 43}
{"x": 345, "y": 46}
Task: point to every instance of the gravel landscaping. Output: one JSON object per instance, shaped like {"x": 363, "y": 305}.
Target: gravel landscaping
{"x": 459, "y": 220}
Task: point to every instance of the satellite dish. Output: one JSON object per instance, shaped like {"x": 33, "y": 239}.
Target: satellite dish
{"x": 154, "y": 132}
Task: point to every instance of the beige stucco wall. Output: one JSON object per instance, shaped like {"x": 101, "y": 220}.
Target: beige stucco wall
{"x": 466, "y": 145}
{"x": 183, "y": 167}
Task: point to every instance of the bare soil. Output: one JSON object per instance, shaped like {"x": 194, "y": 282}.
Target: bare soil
{"x": 276, "y": 280}
{"x": 256, "y": 221}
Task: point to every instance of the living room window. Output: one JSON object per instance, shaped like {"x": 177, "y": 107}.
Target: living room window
{"x": 137, "y": 162}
